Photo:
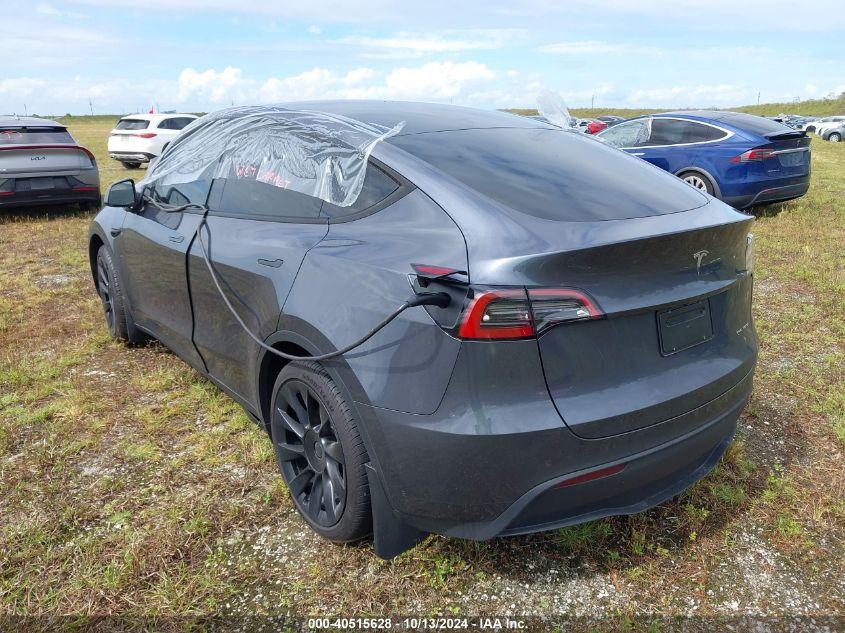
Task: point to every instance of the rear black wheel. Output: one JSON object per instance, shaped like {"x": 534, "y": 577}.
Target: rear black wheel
{"x": 129, "y": 165}
{"x": 698, "y": 180}
{"x": 320, "y": 452}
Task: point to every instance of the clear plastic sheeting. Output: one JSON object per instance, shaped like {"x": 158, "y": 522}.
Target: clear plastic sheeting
{"x": 552, "y": 107}
{"x": 316, "y": 153}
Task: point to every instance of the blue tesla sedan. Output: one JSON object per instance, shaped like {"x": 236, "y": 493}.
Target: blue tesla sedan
{"x": 741, "y": 159}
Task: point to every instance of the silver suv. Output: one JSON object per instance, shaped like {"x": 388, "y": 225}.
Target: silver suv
{"x": 40, "y": 164}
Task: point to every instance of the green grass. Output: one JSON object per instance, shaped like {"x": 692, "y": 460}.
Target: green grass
{"x": 814, "y": 107}
{"x": 131, "y": 485}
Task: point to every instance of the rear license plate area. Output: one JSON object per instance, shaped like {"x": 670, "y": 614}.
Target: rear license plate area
{"x": 41, "y": 184}
{"x": 684, "y": 327}
{"x": 793, "y": 159}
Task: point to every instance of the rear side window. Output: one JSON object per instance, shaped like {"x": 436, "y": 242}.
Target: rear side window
{"x": 680, "y": 132}
{"x": 34, "y": 136}
{"x": 252, "y": 198}
{"x": 132, "y": 124}
{"x": 377, "y": 186}
{"x": 176, "y": 123}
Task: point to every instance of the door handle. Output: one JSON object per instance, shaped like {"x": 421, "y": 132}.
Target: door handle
{"x": 115, "y": 232}
{"x": 637, "y": 153}
{"x": 273, "y": 263}
{"x": 177, "y": 238}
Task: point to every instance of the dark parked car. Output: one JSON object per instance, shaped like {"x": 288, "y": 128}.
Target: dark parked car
{"x": 739, "y": 158}
{"x": 41, "y": 164}
{"x": 594, "y": 356}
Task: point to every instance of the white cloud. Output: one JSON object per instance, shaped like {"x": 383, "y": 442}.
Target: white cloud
{"x": 593, "y": 47}
{"x": 314, "y": 29}
{"x": 50, "y": 10}
{"x": 451, "y": 41}
{"x": 210, "y": 85}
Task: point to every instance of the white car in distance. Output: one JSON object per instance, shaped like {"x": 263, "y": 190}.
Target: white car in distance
{"x": 820, "y": 125}
{"x": 139, "y": 138}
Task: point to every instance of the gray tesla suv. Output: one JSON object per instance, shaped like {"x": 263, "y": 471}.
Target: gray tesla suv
{"x": 41, "y": 164}
{"x": 580, "y": 342}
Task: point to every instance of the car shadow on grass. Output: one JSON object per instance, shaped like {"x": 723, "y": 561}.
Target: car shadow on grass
{"x": 57, "y": 212}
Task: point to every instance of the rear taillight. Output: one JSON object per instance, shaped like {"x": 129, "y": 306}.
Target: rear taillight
{"x": 758, "y": 153}
{"x": 551, "y": 306}
{"x": 144, "y": 135}
{"x": 511, "y": 313}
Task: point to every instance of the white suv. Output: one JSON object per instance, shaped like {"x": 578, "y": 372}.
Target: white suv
{"x": 138, "y": 138}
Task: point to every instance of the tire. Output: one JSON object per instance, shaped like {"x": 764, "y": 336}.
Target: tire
{"x": 834, "y": 137}
{"x": 699, "y": 181}
{"x": 127, "y": 165}
{"x": 110, "y": 290}
{"x": 318, "y": 448}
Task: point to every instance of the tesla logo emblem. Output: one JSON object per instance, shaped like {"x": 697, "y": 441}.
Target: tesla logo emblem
{"x": 700, "y": 255}
{"x": 38, "y": 158}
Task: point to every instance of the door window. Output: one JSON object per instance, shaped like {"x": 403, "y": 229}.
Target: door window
{"x": 245, "y": 197}
{"x": 628, "y": 134}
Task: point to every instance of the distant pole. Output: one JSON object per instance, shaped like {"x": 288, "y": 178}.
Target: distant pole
{"x": 758, "y": 97}
{"x": 25, "y": 113}
{"x": 593, "y": 101}
{"x": 91, "y": 106}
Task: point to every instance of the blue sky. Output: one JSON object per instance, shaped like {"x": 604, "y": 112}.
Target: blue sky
{"x": 197, "y": 55}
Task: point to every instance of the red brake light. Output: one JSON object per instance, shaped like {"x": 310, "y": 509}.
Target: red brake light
{"x": 758, "y": 153}
{"x": 497, "y": 314}
{"x": 511, "y": 313}
{"x": 145, "y": 135}
{"x": 427, "y": 270}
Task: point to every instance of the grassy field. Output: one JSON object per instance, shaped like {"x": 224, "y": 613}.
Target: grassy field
{"x": 814, "y": 107}
{"x": 131, "y": 486}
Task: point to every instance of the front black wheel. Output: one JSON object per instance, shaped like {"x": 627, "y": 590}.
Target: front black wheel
{"x": 834, "y": 137}
{"x": 320, "y": 452}
{"x": 130, "y": 165}
{"x": 110, "y": 290}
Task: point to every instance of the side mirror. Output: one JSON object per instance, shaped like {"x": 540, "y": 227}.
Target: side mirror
{"x": 121, "y": 194}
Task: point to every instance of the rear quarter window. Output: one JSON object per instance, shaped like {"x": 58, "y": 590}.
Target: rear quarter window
{"x": 377, "y": 186}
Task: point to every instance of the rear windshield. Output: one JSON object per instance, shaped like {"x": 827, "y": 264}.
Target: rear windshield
{"x": 552, "y": 174}
{"x": 34, "y": 136}
{"x": 132, "y": 124}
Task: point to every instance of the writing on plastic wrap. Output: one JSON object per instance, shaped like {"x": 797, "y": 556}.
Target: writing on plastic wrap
{"x": 316, "y": 153}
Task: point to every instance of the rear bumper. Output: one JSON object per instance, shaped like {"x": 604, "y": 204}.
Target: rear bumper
{"x": 36, "y": 199}
{"x": 131, "y": 157}
{"x": 476, "y": 471}
{"x": 78, "y": 187}
{"x": 770, "y": 194}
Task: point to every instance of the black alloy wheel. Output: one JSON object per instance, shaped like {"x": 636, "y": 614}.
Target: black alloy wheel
{"x": 310, "y": 454}
{"x": 320, "y": 452}
{"x": 104, "y": 289}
